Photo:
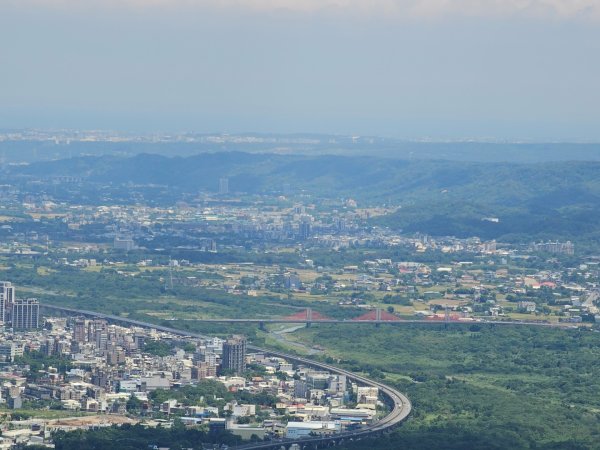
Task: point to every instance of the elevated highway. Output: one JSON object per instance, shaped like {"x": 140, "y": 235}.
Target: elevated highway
{"x": 399, "y": 404}
{"x": 265, "y": 321}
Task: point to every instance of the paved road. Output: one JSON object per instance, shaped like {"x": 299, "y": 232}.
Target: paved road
{"x": 280, "y": 336}
{"x": 590, "y": 300}
{"x": 400, "y": 404}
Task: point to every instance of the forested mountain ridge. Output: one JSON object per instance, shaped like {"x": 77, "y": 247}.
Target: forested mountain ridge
{"x": 552, "y": 199}
{"x": 35, "y": 150}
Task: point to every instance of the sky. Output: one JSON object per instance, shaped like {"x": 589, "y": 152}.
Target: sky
{"x": 444, "y": 69}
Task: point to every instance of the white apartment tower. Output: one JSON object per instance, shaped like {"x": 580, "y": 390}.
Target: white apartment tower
{"x": 223, "y": 186}
{"x": 7, "y": 298}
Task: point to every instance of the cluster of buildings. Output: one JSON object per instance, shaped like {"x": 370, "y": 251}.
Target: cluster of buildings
{"x": 89, "y": 365}
{"x": 19, "y": 314}
{"x": 566, "y": 248}
{"x": 480, "y": 286}
{"x": 205, "y": 222}
{"x": 314, "y": 402}
{"x": 491, "y": 289}
{"x": 195, "y": 223}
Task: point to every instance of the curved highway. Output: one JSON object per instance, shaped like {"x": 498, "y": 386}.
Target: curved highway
{"x": 399, "y": 404}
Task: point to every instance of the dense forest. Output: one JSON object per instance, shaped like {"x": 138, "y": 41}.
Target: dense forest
{"x": 479, "y": 386}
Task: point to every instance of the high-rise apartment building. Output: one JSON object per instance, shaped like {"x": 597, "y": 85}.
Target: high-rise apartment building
{"x": 94, "y": 326}
{"x": 123, "y": 243}
{"x": 79, "y": 331}
{"x": 223, "y": 186}
{"x": 25, "y": 314}
{"x": 7, "y": 298}
{"x": 305, "y": 230}
{"x": 234, "y": 354}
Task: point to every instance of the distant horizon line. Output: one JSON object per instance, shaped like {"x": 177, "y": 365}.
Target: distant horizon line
{"x": 162, "y": 134}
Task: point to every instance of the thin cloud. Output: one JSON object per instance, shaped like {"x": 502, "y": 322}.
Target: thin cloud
{"x": 556, "y": 9}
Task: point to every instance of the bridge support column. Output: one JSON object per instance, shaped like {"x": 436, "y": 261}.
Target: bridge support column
{"x": 309, "y": 315}
{"x": 446, "y": 317}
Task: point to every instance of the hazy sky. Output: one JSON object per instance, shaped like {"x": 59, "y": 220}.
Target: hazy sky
{"x": 407, "y": 68}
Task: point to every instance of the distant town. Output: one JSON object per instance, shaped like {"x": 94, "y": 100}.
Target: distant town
{"x": 322, "y": 253}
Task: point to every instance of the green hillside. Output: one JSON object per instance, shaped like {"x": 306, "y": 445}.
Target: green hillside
{"x": 530, "y": 201}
